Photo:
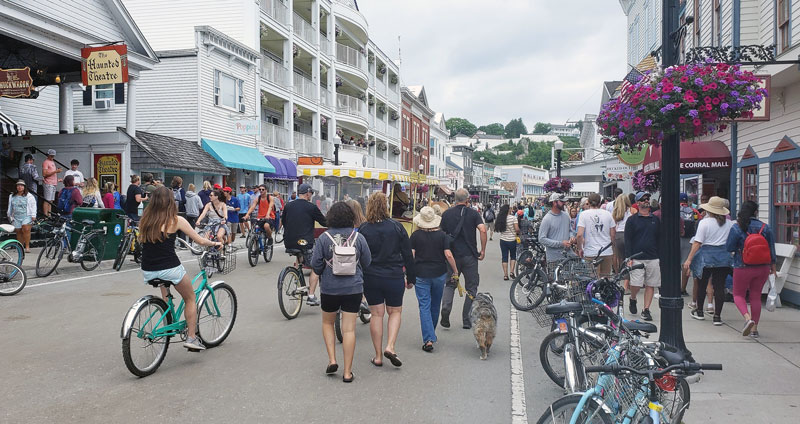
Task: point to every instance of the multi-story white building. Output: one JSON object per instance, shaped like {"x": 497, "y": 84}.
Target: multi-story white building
{"x": 644, "y": 28}
{"x": 439, "y": 148}
{"x": 564, "y": 130}
{"x": 529, "y": 180}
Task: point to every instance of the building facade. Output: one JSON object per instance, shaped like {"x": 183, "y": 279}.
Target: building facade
{"x": 439, "y": 148}
{"x": 528, "y": 180}
{"x": 415, "y": 136}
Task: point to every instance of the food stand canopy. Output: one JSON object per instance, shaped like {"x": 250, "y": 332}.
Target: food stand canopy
{"x": 361, "y": 173}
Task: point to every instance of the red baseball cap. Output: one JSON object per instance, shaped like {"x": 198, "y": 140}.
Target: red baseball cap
{"x": 217, "y": 186}
{"x": 228, "y": 189}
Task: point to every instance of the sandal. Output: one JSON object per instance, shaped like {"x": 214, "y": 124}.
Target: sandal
{"x": 393, "y": 358}
{"x": 332, "y": 368}
{"x": 377, "y": 364}
{"x": 505, "y": 277}
{"x": 428, "y": 347}
{"x": 349, "y": 380}
{"x": 513, "y": 276}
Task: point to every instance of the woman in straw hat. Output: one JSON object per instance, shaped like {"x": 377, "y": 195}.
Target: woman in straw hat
{"x": 22, "y": 213}
{"x": 709, "y": 257}
{"x": 431, "y": 248}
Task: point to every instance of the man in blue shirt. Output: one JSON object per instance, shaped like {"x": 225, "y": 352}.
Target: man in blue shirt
{"x": 244, "y": 205}
{"x": 233, "y": 213}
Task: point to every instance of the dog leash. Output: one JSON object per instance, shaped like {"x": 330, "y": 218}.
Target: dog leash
{"x": 461, "y": 289}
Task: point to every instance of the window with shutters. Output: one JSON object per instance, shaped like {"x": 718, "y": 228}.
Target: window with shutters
{"x": 103, "y": 96}
{"x": 750, "y": 183}
{"x": 786, "y": 201}
{"x": 784, "y": 24}
{"x": 228, "y": 92}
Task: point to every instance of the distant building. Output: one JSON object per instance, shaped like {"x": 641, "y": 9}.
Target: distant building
{"x": 529, "y": 180}
{"x": 564, "y": 130}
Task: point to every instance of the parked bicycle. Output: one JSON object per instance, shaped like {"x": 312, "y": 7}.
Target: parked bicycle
{"x": 129, "y": 245}
{"x": 11, "y": 250}
{"x": 292, "y": 285}
{"x": 12, "y": 278}
{"x": 88, "y": 251}
{"x": 260, "y": 244}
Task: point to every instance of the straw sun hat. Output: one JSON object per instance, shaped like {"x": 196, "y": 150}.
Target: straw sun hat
{"x": 427, "y": 218}
{"x": 716, "y": 205}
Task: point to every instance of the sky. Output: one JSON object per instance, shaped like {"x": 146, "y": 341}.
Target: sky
{"x": 496, "y": 60}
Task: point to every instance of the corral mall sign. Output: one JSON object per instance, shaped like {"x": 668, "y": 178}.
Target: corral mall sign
{"x": 104, "y": 65}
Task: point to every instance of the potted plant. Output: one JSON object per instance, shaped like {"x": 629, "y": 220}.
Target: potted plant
{"x": 296, "y": 112}
{"x": 371, "y": 143}
{"x": 371, "y": 100}
{"x": 338, "y": 31}
{"x": 395, "y": 150}
{"x": 382, "y": 109}
{"x": 371, "y": 58}
{"x": 362, "y": 96}
{"x": 338, "y": 81}
{"x": 393, "y": 79}
{"x": 295, "y": 50}
{"x": 558, "y": 185}
{"x": 395, "y": 116}
{"x": 382, "y": 68}
{"x": 382, "y": 146}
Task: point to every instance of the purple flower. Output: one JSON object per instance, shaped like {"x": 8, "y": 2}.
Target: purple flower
{"x": 648, "y": 122}
{"x": 689, "y": 72}
{"x": 670, "y": 106}
{"x": 693, "y": 113}
{"x": 621, "y": 134}
{"x": 735, "y": 93}
{"x": 698, "y": 81}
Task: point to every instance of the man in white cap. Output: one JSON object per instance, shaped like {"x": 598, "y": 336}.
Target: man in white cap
{"x": 50, "y": 174}
{"x": 554, "y": 229}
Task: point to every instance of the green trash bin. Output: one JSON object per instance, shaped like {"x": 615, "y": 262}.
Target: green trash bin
{"x": 107, "y": 219}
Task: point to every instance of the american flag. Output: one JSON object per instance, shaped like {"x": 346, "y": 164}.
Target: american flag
{"x": 627, "y": 83}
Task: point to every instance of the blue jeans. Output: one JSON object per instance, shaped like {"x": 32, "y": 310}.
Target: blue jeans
{"x": 429, "y": 295}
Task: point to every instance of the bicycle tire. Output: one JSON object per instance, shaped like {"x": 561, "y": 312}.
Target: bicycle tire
{"x": 122, "y": 252}
{"x": 141, "y": 314}
{"x": 337, "y": 326}
{"x": 215, "y": 324}
{"x": 289, "y": 283}
{"x": 675, "y": 407}
{"x": 524, "y": 258}
{"x": 527, "y": 290}
{"x": 93, "y": 254}
{"x": 248, "y": 241}
{"x": 269, "y": 249}
{"x": 12, "y": 252}
{"x": 252, "y": 253}
{"x": 52, "y": 252}
{"x": 12, "y": 278}
{"x": 279, "y": 235}
{"x": 137, "y": 251}
{"x": 207, "y": 263}
{"x": 551, "y": 355}
{"x": 565, "y": 406}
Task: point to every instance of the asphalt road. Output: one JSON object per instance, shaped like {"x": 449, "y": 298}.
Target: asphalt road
{"x": 62, "y": 360}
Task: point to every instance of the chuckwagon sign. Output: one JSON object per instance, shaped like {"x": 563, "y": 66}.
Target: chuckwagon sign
{"x": 16, "y": 82}
{"x": 104, "y": 65}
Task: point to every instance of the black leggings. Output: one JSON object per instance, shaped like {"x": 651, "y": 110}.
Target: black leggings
{"x": 717, "y": 277}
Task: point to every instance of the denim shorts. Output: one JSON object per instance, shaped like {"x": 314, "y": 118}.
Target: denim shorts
{"x": 171, "y": 274}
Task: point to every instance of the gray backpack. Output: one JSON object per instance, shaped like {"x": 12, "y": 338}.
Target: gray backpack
{"x": 344, "y": 260}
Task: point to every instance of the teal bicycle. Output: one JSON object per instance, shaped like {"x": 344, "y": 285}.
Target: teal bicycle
{"x": 11, "y": 250}
{"x": 151, "y": 322}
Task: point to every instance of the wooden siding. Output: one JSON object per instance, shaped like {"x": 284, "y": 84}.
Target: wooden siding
{"x": 91, "y": 16}
{"x": 39, "y": 115}
{"x": 749, "y": 22}
{"x": 92, "y": 120}
{"x": 166, "y": 99}
{"x": 766, "y": 25}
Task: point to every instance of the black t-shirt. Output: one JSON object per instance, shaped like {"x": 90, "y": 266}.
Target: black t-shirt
{"x": 464, "y": 243}
{"x": 298, "y": 222}
{"x": 131, "y": 205}
{"x": 429, "y": 247}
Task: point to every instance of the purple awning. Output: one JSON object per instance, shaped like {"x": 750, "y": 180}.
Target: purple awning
{"x": 280, "y": 173}
{"x": 289, "y": 168}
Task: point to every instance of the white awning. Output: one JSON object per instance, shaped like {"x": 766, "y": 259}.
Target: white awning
{"x": 8, "y": 127}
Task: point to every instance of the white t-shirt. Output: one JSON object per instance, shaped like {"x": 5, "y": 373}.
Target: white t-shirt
{"x": 621, "y": 224}
{"x": 597, "y": 224}
{"x": 78, "y": 175}
{"x": 610, "y": 206}
{"x": 712, "y": 234}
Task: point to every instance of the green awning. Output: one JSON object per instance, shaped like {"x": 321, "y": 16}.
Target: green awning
{"x": 235, "y": 156}
{"x": 504, "y": 193}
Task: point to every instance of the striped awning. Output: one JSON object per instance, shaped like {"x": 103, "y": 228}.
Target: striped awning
{"x": 8, "y": 127}
{"x": 359, "y": 173}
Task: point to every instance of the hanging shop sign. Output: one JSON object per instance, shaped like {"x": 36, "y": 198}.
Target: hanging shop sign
{"x": 632, "y": 157}
{"x": 16, "y": 82}
{"x": 247, "y": 127}
{"x": 762, "y": 114}
{"x": 619, "y": 171}
{"x": 108, "y": 168}
{"x": 309, "y": 160}
{"x": 104, "y": 65}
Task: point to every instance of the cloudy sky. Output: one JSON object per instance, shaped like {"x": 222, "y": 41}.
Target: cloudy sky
{"x": 494, "y": 60}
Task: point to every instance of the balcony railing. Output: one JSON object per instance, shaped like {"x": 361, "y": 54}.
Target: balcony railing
{"x": 380, "y": 86}
{"x": 325, "y": 97}
{"x": 274, "y": 71}
{"x": 275, "y": 8}
{"x": 350, "y": 56}
{"x": 275, "y": 136}
{"x": 327, "y": 149}
{"x": 302, "y": 28}
{"x": 305, "y": 143}
{"x": 324, "y": 45}
{"x": 351, "y": 106}
{"x": 304, "y": 87}
{"x": 380, "y": 125}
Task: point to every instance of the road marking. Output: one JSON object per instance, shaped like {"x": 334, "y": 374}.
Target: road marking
{"x": 84, "y": 277}
{"x": 519, "y": 412}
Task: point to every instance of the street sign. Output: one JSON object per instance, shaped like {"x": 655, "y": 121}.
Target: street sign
{"x": 16, "y": 82}
{"x": 104, "y": 65}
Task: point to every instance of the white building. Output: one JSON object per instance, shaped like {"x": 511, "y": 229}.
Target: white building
{"x": 529, "y": 180}
{"x": 564, "y": 130}
{"x": 440, "y": 149}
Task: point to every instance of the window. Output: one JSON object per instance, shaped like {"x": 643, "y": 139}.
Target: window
{"x": 784, "y": 26}
{"x": 717, "y": 24}
{"x": 228, "y": 91}
{"x": 102, "y": 93}
{"x": 786, "y": 201}
{"x": 416, "y": 133}
{"x": 750, "y": 183}
{"x": 405, "y": 127}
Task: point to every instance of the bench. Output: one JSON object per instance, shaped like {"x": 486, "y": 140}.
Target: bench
{"x": 785, "y": 251}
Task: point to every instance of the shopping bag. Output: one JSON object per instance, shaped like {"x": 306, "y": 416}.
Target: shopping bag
{"x": 772, "y": 296}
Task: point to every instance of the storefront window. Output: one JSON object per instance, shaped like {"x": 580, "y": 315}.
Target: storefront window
{"x": 786, "y": 201}
{"x": 750, "y": 183}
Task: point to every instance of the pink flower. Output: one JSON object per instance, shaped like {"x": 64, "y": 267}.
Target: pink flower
{"x": 682, "y": 120}
{"x": 654, "y": 96}
{"x": 707, "y": 99}
{"x": 697, "y": 122}
{"x": 684, "y": 79}
{"x": 637, "y": 120}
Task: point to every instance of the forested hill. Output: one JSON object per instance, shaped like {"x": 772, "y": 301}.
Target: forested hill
{"x": 524, "y": 152}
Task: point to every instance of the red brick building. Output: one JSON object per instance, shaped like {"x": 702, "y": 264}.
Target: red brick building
{"x": 415, "y": 130}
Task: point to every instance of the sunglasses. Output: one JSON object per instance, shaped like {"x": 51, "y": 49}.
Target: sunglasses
{"x": 646, "y": 200}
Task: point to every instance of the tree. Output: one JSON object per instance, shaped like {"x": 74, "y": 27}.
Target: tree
{"x": 542, "y": 128}
{"x": 493, "y": 129}
{"x": 515, "y": 128}
{"x": 460, "y": 125}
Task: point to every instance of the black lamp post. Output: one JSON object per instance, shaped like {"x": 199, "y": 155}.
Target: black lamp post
{"x": 670, "y": 302}
{"x": 559, "y": 145}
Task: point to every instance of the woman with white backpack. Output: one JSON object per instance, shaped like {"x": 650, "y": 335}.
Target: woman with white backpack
{"x": 339, "y": 257}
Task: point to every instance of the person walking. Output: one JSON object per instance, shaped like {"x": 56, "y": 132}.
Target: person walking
{"x": 298, "y": 224}
{"x": 431, "y": 249}
{"x": 384, "y": 279}
{"x": 92, "y": 198}
{"x": 205, "y": 193}
{"x": 461, "y": 222}
{"x": 488, "y": 218}
{"x": 360, "y": 218}
{"x": 554, "y": 232}
{"x": 710, "y": 257}
{"x": 643, "y": 235}
{"x": 596, "y": 229}
{"x": 689, "y": 217}
{"x": 50, "y": 174}
{"x": 340, "y": 292}
{"x": 21, "y": 213}
{"x": 621, "y": 212}
{"x": 232, "y": 203}
{"x": 508, "y": 228}
{"x": 279, "y": 205}
{"x": 751, "y": 263}
{"x": 133, "y": 198}
{"x": 193, "y": 206}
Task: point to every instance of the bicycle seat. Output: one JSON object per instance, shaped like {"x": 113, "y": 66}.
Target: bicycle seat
{"x": 157, "y": 282}
{"x": 672, "y": 355}
{"x": 563, "y": 308}
{"x": 295, "y": 251}
{"x": 87, "y": 222}
{"x": 8, "y": 228}
{"x": 644, "y": 327}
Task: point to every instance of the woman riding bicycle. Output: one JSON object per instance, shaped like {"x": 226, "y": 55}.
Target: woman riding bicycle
{"x": 157, "y": 231}
{"x": 217, "y": 212}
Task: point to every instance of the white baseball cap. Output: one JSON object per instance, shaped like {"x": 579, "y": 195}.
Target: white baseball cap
{"x": 556, "y": 196}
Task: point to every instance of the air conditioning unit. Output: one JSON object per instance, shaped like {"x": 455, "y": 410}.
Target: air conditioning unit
{"x": 241, "y": 108}
{"x": 103, "y": 104}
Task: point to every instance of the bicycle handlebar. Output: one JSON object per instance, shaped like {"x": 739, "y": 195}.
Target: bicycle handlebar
{"x": 685, "y": 366}
{"x": 194, "y": 250}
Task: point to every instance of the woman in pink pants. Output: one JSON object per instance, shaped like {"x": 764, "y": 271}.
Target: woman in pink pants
{"x": 749, "y": 278}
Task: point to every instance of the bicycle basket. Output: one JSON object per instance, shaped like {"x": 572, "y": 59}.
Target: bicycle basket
{"x": 229, "y": 263}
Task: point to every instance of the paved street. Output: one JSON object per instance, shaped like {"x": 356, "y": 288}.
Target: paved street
{"x": 63, "y": 361}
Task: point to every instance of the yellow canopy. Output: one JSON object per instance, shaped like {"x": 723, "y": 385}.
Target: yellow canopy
{"x": 362, "y": 173}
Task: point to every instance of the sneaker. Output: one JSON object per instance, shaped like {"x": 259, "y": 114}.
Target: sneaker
{"x": 717, "y": 320}
{"x": 312, "y": 301}
{"x": 692, "y": 306}
{"x": 646, "y": 315}
{"x": 193, "y": 344}
{"x": 632, "y": 306}
{"x": 684, "y": 293}
{"x": 710, "y": 308}
{"x": 697, "y": 314}
{"x": 445, "y": 321}
{"x": 754, "y": 334}
{"x": 748, "y": 326}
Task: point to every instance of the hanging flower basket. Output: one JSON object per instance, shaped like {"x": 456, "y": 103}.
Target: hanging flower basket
{"x": 382, "y": 109}
{"x": 295, "y": 50}
{"x": 371, "y": 143}
{"x": 382, "y": 147}
{"x": 649, "y": 183}
{"x": 371, "y": 58}
{"x": 362, "y": 96}
{"x": 339, "y": 132}
{"x": 393, "y": 79}
{"x": 395, "y": 150}
{"x": 395, "y": 116}
{"x": 558, "y": 185}
{"x": 382, "y": 68}
{"x": 371, "y": 100}
{"x": 296, "y": 112}
{"x": 322, "y": 120}
{"x": 689, "y": 100}
{"x": 338, "y": 81}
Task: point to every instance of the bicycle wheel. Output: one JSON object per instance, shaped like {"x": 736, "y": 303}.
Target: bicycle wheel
{"x": 551, "y": 354}
{"x": 524, "y": 262}
{"x": 216, "y": 314}
{"x": 675, "y": 402}
{"x": 208, "y": 262}
{"x": 137, "y": 251}
{"x": 527, "y": 290}
{"x": 144, "y": 353}
{"x": 269, "y": 247}
{"x": 279, "y": 235}
{"x": 49, "y": 257}
{"x": 122, "y": 251}
{"x": 248, "y": 241}
{"x": 93, "y": 252}
{"x": 290, "y": 298}
{"x": 337, "y": 326}
{"x": 560, "y": 412}
{"x": 253, "y": 253}
{"x": 12, "y": 252}
{"x": 12, "y": 279}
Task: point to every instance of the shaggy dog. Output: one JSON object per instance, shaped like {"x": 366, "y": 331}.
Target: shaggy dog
{"x": 484, "y": 322}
